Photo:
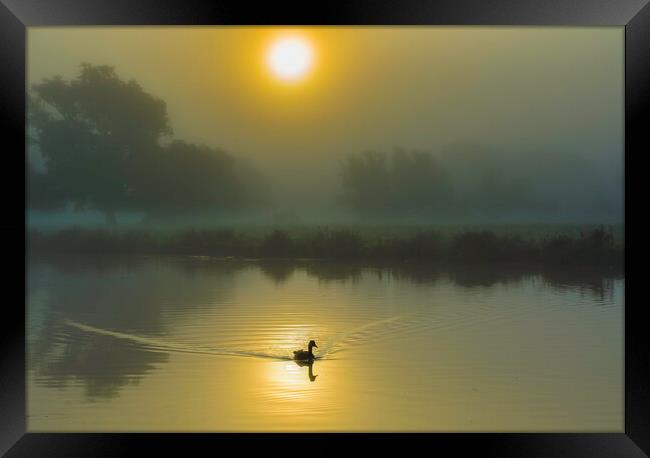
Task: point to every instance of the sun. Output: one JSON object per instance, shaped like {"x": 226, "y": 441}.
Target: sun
{"x": 290, "y": 59}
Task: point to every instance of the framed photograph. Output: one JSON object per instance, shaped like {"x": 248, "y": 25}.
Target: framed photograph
{"x": 408, "y": 221}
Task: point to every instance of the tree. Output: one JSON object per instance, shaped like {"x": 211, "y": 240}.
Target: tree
{"x": 419, "y": 183}
{"x": 366, "y": 182}
{"x": 192, "y": 179}
{"x": 402, "y": 182}
{"x": 42, "y": 193}
{"x": 90, "y": 131}
{"x": 101, "y": 140}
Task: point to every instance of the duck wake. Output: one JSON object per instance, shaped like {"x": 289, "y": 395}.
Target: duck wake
{"x": 365, "y": 333}
{"x": 162, "y": 345}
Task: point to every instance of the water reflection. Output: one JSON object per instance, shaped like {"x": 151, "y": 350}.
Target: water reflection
{"x": 310, "y": 365}
{"x": 135, "y": 295}
{"x": 587, "y": 281}
{"x": 103, "y": 365}
{"x": 376, "y": 320}
{"x": 280, "y": 271}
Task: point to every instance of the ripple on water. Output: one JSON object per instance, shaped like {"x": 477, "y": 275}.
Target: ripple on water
{"x": 425, "y": 351}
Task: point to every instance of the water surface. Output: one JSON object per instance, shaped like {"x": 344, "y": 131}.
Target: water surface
{"x": 197, "y": 344}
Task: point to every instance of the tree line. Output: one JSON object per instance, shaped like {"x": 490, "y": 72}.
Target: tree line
{"x": 106, "y": 144}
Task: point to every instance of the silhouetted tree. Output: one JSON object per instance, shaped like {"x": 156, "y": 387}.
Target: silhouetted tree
{"x": 91, "y": 130}
{"x": 402, "y": 182}
{"x": 366, "y": 182}
{"x": 188, "y": 178}
{"x": 42, "y": 192}
{"x": 419, "y": 183}
{"x": 101, "y": 142}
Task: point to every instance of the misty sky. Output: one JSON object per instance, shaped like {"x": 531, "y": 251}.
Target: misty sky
{"x": 524, "y": 97}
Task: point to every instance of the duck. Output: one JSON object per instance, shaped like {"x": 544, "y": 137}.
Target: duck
{"x": 302, "y": 355}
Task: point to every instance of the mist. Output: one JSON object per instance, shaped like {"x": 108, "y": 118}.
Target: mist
{"x": 513, "y": 124}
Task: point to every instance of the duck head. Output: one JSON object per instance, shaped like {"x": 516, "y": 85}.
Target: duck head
{"x": 311, "y": 345}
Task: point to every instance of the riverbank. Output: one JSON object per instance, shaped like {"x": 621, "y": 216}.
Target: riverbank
{"x": 595, "y": 248}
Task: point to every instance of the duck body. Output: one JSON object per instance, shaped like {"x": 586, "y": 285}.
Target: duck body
{"x": 305, "y": 355}
{"x": 302, "y": 355}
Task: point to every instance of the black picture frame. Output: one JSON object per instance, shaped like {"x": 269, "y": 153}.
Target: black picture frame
{"x": 16, "y": 15}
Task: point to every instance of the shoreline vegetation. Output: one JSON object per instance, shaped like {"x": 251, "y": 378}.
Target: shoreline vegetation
{"x": 595, "y": 248}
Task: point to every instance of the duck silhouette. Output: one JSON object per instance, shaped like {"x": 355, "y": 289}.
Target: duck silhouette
{"x": 302, "y": 355}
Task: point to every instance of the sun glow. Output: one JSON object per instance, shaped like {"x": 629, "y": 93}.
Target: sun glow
{"x": 290, "y": 59}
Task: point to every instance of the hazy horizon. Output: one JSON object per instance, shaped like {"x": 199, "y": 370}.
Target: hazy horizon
{"x": 542, "y": 106}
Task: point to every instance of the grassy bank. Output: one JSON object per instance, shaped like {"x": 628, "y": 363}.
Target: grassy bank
{"x": 595, "y": 247}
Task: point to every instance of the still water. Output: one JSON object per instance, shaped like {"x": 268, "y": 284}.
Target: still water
{"x": 198, "y": 344}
